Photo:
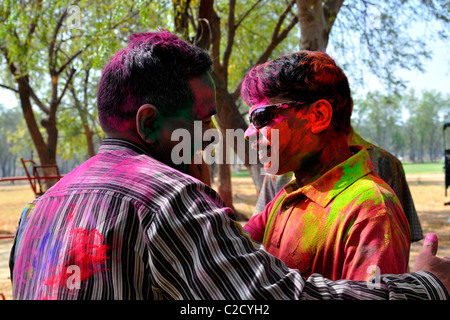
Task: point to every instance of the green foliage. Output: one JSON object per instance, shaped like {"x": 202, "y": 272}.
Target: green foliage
{"x": 14, "y": 136}
{"x": 381, "y": 119}
{"x": 254, "y": 34}
{"x": 379, "y": 112}
{"x": 52, "y": 42}
{"x": 361, "y": 43}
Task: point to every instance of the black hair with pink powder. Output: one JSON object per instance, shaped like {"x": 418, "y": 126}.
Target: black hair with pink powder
{"x": 154, "y": 68}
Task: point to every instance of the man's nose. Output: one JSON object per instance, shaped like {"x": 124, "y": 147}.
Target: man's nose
{"x": 251, "y": 131}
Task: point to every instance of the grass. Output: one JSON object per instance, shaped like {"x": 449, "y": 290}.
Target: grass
{"x": 427, "y": 167}
{"x": 244, "y": 173}
{"x": 410, "y": 168}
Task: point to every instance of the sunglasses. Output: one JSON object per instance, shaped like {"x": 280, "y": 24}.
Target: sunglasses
{"x": 262, "y": 116}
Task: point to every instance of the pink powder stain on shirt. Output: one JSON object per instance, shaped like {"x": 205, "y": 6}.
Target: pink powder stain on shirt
{"x": 87, "y": 251}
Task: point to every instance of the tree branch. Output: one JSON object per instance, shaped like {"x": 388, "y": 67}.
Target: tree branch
{"x": 230, "y": 37}
{"x": 232, "y": 26}
{"x": 330, "y": 11}
{"x": 203, "y": 38}
{"x": 216, "y": 38}
{"x": 68, "y": 82}
{"x": 276, "y": 38}
{"x": 276, "y": 31}
{"x": 38, "y": 101}
{"x": 126, "y": 18}
{"x": 247, "y": 13}
{"x": 61, "y": 69}
{"x": 13, "y": 69}
{"x": 51, "y": 51}
{"x": 9, "y": 88}
{"x": 33, "y": 23}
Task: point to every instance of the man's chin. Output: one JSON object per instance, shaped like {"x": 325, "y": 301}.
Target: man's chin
{"x": 272, "y": 168}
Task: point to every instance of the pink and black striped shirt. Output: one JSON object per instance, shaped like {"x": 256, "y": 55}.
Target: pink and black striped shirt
{"x": 125, "y": 226}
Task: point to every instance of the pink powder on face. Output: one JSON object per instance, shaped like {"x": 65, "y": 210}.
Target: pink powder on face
{"x": 204, "y": 97}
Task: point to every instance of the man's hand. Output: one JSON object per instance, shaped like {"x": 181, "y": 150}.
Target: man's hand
{"x": 427, "y": 261}
{"x": 198, "y": 169}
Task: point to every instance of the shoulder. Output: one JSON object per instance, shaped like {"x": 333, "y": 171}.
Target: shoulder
{"x": 134, "y": 177}
{"x": 388, "y": 164}
{"x": 159, "y": 182}
{"x": 371, "y": 193}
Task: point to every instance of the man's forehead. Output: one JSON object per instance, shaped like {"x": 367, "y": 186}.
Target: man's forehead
{"x": 264, "y": 102}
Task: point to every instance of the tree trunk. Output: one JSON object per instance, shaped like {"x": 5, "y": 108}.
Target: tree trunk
{"x": 181, "y": 17}
{"x": 229, "y": 118}
{"x": 224, "y": 173}
{"x": 30, "y": 120}
{"x": 316, "y": 20}
{"x": 208, "y": 34}
{"x": 4, "y": 161}
{"x": 84, "y": 120}
{"x": 312, "y": 25}
{"x": 46, "y": 151}
{"x": 89, "y": 141}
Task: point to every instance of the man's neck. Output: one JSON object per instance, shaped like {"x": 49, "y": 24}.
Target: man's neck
{"x": 131, "y": 138}
{"x": 324, "y": 160}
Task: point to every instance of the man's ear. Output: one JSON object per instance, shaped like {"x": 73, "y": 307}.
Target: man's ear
{"x": 147, "y": 126}
{"x": 322, "y": 113}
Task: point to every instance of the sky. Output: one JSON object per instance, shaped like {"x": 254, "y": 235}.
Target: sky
{"x": 437, "y": 75}
{"x": 437, "y": 69}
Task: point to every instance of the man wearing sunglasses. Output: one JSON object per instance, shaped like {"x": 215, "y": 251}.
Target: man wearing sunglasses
{"x": 386, "y": 165}
{"x": 337, "y": 218}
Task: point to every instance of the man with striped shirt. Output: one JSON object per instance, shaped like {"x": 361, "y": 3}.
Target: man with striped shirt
{"x": 133, "y": 223}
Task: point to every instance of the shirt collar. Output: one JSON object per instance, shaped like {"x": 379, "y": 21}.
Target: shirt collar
{"x": 328, "y": 186}
{"x": 114, "y": 144}
{"x": 355, "y": 139}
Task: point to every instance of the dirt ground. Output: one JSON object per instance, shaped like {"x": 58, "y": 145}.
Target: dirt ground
{"x": 427, "y": 190}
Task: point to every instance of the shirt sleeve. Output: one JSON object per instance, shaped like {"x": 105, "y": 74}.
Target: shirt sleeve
{"x": 377, "y": 244}
{"x": 27, "y": 211}
{"x": 270, "y": 188}
{"x": 266, "y": 194}
{"x": 256, "y": 226}
{"x": 197, "y": 252}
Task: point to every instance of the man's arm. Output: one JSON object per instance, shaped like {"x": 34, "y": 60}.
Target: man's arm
{"x": 379, "y": 242}
{"x": 197, "y": 252}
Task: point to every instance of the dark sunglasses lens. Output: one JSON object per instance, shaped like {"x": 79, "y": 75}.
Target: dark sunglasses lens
{"x": 260, "y": 117}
